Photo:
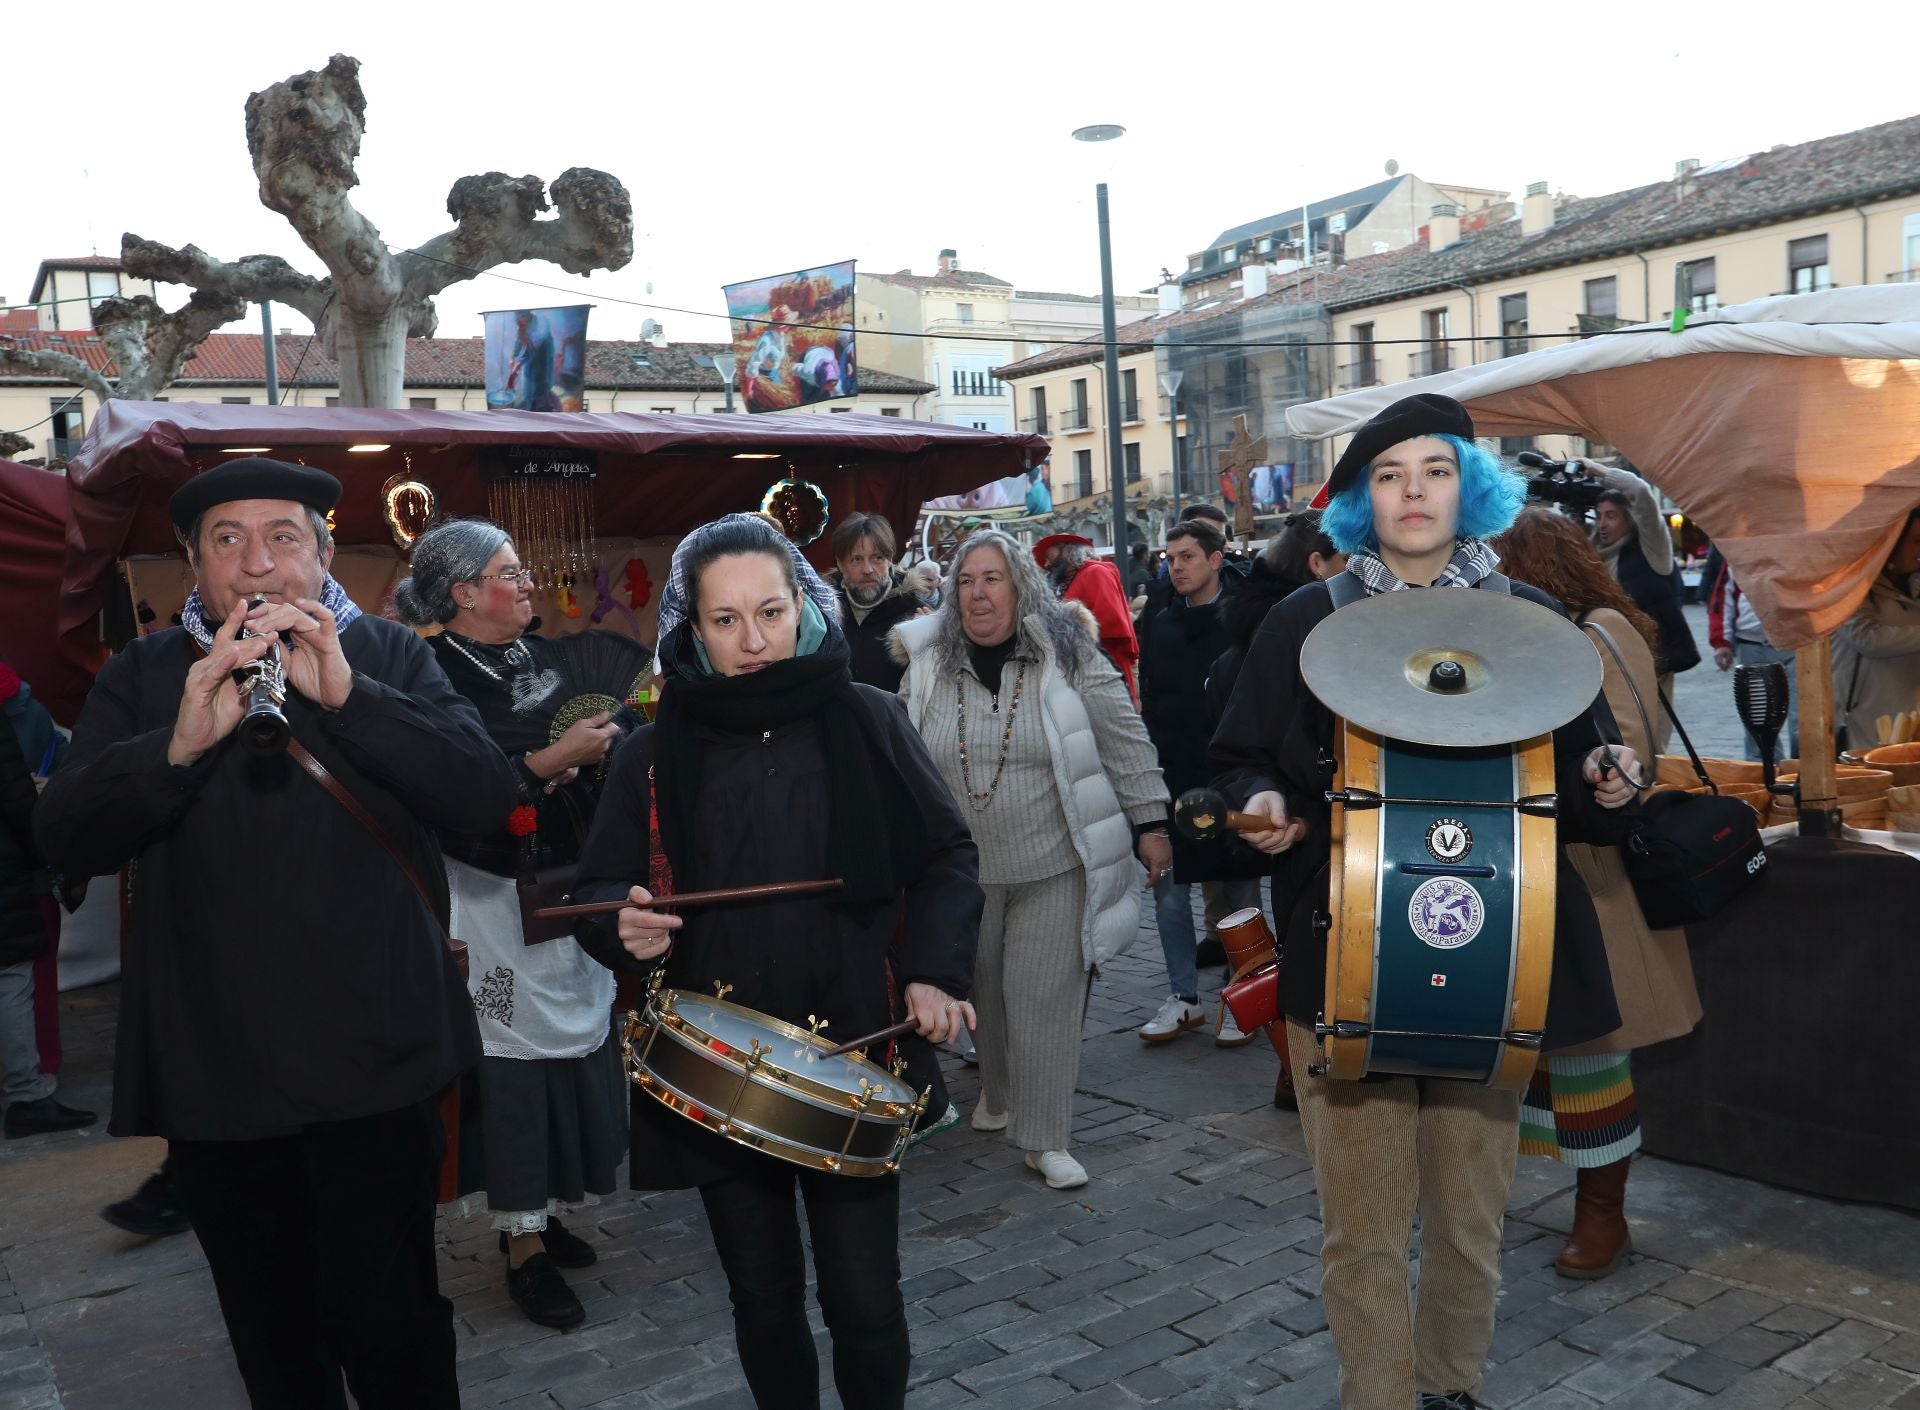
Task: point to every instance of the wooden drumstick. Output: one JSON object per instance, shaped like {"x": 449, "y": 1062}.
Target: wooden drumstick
{"x": 695, "y": 898}
{"x": 898, "y": 1030}
{"x": 1202, "y": 815}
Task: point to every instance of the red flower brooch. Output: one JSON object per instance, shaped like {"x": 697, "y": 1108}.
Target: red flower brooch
{"x": 523, "y": 821}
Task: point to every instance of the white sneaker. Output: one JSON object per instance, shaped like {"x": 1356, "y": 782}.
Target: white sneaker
{"x": 1176, "y": 1016}
{"x": 1061, "y": 1170}
{"x": 984, "y": 1120}
{"x": 1226, "y": 1033}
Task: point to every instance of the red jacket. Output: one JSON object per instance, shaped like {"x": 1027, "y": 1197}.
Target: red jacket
{"x": 1097, "y": 586}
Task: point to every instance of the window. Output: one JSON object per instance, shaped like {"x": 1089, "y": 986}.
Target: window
{"x": 1434, "y": 357}
{"x": 102, "y": 284}
{"x": 964, "y": 312}
{"x": 1226, "y": 254}
{"x": 423, "y": 403}
{"x": 1082, "y": 473}
{"x": 1699, "y": 282}
{"x": 1513, "y": 324}
{"x": 1603, "y": 297}
{"x": 1511, "y": 446}
{"x": 1180, "y": 459}
{"x": 1037, "y": 408}
{"x": 69, "y": 424}
{"x": 236, "y": 401}
{"x": 1807, "y": 269}
{"x": 1129, "y": 395}
{"x": 333, "y": 401}
{"x": 661, "y": 410}
{"x": 1130, "y": 456}
{"x": 838, "y": 409}
{"x": 1909, "y": 248}
{"x": 889, "y": 411}
{"x": 1363, "y": 371}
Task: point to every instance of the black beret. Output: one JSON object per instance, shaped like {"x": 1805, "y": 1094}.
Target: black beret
{"x": 252, "y": 477}
{"x": 1424, "y": 415}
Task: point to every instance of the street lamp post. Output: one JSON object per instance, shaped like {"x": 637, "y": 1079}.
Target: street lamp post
{"x": 723, "y": 364}
{"x": 1170, "y": 384}
{"x": 1116, "y": 468}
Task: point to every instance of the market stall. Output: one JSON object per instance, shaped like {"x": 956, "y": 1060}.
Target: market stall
{"x": 1788, "y": 429}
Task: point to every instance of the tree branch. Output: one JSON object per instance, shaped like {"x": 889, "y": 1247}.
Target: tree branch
{"x": 255, "y": 278}
{"x": 304, "y": 135}
{"x": 47, "y": 363}
{"x": 150, "y": 345}
{"x": 496, "y": 223}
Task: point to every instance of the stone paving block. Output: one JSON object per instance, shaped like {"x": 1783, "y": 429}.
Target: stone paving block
{"x": 953, "y": 1360}
{"x": 1832, "y": 1350}
{"x": 1100, "y": 1278}
{"x": 526, "y": 1380}
{"x": 1155, "y": 1313}
{"x": 1513, "y": 1335}
{"x": 1114, "y": 1247}
{"x": 1625, "y": 1367}
{"x": 1152, "y": 1384}
{"x": 1640, "y": 1275}
{"x": 1151, "y": 1285}
{"x": 1005, "y": 1284}
{"x": 1531, "y": 1372}
{"x": 1621, "y": 1323}
{"x": 985, "y": 1376}
{"x": 1259, "y": 1305}
{"x": 572, "y": 1392}
{"x": 1521, "y": 1294}
{"x": 1691, "y": 1289}
{"x": 1750, "y": 1346}
{"x": 1299, "y": 1359}
{"x": 1720, "y": 1316}
{"x": 1658, "y": 1395}
{"x": 984, "y": 1321}
{"x": 1557, "y": 1398}
{"x": 1903, "y": 1351}
{"x": 1268, "y": 1236}
{"x": 1028, "y": 1395}
{"x": 1909, "y": 1400}
{"x": 940, "y": 1395}
{"x": 1303, "y": 1319}
{"x": 1318, "y": 1390}
{"x": 1028, "y": 1328}
{"x": 1860, "y": 1387}
{"x": 1114, "y": 1362}
{"x": 1231, "y": 1364}
{"x": 1705, "y": 1372}
{"x": 1188, "y": 1248}
{"x": 1765, "y": 1389}
{"x": 1224, "y": 1283}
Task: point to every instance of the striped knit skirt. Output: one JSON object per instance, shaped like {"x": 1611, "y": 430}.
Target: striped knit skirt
{"x": 1581, "y": 1111}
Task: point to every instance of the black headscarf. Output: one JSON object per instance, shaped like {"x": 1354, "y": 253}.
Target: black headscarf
{"x": 864, "y": 787}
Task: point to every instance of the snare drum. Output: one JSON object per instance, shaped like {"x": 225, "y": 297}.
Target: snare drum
{"x": 762, "y": 1083}
{"x": 1441, "y": 907}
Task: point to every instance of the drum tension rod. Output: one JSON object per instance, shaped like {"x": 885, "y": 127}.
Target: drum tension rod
{"x": 1539, "y": 805}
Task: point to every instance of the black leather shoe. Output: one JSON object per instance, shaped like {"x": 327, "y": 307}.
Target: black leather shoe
{"x": 1453, "y": 1400}
{"x": 38, "y": 1118}
{"x": 1208, "y": 953}
{"x": 153, "y": 1212}
{"x": 539, "y": 1291}
{"x": 567, "y": 1250}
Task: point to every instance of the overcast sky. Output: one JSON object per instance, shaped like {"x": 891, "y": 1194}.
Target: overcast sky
{"x": 757, "y": 138}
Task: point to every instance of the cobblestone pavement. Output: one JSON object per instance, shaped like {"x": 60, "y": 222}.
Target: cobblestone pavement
{"x": 1185, "y": 1274}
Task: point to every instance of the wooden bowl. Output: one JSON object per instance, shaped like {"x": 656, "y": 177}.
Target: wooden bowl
{"x": 1678, "y": 769}
{"x": 1852, "y": 784}
{"x": 1900, "y": 760}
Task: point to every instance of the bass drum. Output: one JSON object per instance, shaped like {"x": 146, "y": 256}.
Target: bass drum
{"x": 1441, "y": 908}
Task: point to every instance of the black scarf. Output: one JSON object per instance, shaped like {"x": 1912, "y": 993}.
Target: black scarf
{"x": 864, "y": 786}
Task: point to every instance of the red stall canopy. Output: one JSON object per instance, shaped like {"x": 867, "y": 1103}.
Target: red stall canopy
{"x": 658, "y": 475}
{"x": 33, "y": 524}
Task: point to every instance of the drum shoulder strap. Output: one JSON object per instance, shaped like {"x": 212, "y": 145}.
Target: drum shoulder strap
{"x": 1345, "y": 589}
{"x": 1497, "y": 582}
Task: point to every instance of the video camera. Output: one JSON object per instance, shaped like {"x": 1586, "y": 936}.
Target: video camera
{"x": 1561, "y": 482}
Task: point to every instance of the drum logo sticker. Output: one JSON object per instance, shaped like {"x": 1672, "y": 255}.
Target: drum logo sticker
{"x": 1446, "y": 912}
{"x": 1449, "y": 839}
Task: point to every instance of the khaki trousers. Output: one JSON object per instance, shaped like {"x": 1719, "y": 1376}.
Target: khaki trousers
{"x": 1381, "y": 1150}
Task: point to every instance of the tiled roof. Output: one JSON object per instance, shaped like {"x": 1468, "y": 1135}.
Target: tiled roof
{"x": 959, "y": 279}
{"x": 19, "y": 320}
{"x": 237, "y": 359}
{"x": 1057, "y": 298}
{"x": 1128, "y": 336}
{"x": 1368, "y": 196}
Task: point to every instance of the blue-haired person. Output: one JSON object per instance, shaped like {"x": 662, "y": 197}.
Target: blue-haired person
{"x": 1412, "y": 501}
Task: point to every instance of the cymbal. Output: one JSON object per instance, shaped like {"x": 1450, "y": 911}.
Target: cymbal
{"x": 1451, "y": 667}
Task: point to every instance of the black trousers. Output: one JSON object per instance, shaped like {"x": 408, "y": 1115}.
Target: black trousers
{"x": 321, "y": 1246}
{"x": 854, "y": 1225}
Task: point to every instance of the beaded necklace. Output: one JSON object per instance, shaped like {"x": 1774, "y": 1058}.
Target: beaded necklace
{"x": 980, "y": 802}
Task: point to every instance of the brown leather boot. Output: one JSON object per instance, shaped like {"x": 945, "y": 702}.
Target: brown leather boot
{"x": 1600, "y": 1239}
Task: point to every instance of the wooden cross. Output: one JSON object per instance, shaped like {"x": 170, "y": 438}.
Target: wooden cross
{"x": 1240, "y": 457}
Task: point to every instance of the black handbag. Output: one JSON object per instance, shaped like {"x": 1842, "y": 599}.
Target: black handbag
{"x": 1688, "y": 855}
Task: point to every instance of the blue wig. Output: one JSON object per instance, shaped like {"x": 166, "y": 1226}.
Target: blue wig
{"x": 1491, "y": 497}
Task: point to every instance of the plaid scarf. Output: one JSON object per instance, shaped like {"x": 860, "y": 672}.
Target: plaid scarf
{"x": 1472, "y": 560}
{"x": 333, "y": 597}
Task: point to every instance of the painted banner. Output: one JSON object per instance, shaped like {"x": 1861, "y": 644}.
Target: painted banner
{"x": 793, "y": 337}
{"x": 537, "y": 358}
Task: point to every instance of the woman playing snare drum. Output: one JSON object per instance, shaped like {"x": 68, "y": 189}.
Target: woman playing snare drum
{"x": 767, "y": 763}
{"x": 1410, "y": 500}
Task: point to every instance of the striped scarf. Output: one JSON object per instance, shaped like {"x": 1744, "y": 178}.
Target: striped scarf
{"x": 1473, "y": 559}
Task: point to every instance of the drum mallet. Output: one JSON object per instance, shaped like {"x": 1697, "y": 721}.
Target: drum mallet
{"x": 1202, "y": 815}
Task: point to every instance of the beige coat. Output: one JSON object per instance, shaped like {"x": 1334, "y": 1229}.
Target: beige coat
{"x": 1652, "y": 975}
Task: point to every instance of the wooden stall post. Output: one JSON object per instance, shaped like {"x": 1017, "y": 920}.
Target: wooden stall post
{"x": 1819, "y": 792}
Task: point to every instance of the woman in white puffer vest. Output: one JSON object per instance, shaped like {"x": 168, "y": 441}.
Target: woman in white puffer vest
{"x": 1036, "y": 734}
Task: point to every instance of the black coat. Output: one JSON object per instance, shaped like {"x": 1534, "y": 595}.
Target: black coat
{"x": 23, "y": 928}
{"x": 1260, "y": 592}
{"x": 761, "y": 817}
{"x": 1273, "y": 735}
{"x": 1660, "y": 599}
{"x": 1177, "y": 649}
{"x": 279, "y": 969}
{"x": 908, "y": 593}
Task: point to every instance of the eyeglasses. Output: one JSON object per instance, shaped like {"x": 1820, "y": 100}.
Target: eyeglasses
{"x": 509, "y": 575}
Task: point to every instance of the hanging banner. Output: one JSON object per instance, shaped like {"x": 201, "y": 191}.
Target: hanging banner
{"x": 537, "y": 358}
{"x": 793, "y": 337}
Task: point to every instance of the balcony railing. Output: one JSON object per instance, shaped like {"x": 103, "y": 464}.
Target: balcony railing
{"x": 1130, "y": 409}
{"x": 1037, "y": 424}
{"x": 1904, "y": 276}
{"x": 1074, "y": 418}
{"x": 1365, "y": 373}
{"x": 63, "y": 447}
{"x": 964, "y": 386}
{"x": 1429, "y": 361}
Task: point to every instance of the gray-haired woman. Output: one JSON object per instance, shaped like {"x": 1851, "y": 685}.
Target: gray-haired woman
{"x": 1036, "y": 734}
{"x": 552, "y": 1124}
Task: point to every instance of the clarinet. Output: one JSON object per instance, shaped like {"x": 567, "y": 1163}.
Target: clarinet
{"x": 263, "y": 685}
